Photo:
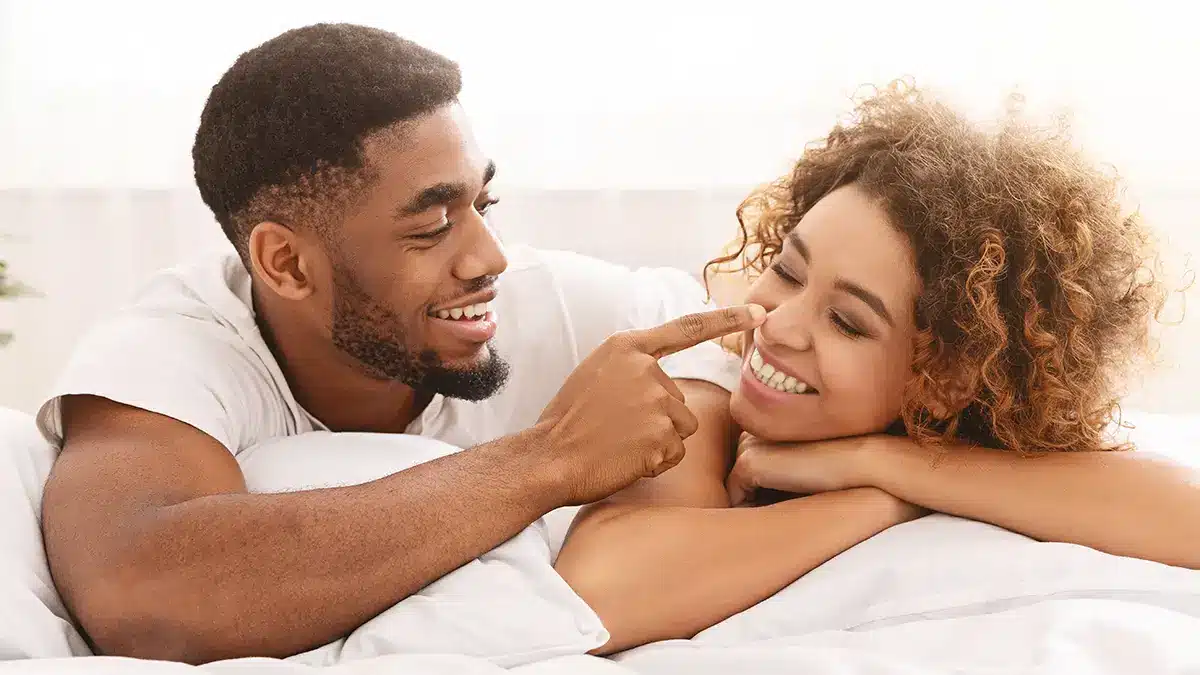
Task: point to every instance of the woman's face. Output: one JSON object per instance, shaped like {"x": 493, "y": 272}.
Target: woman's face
{"x": 837, "y": 346}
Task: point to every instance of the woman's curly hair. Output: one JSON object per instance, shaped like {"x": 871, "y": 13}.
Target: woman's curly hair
{"x": 1038, "y": 290}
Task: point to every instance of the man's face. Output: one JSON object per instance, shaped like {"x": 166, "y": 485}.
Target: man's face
{"x": 414, "y": 265}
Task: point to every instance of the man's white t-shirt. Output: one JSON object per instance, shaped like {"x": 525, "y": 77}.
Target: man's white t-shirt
{"x": 188, "y": 348}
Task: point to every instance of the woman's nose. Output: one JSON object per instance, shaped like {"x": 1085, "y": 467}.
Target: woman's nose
{"x": 788, "y": 325}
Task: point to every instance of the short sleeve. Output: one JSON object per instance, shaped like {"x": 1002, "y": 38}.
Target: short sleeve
{"x": 601, "y": 298}
{"x": 195, "y": 371}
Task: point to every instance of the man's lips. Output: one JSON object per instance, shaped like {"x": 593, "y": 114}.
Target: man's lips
{"x": 481, "y": 298}
{"x": 477, "y": 327}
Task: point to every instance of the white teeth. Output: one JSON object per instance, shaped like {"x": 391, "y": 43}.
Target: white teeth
{"x": 773, "y": 378}
{"x": 474, "y": 311}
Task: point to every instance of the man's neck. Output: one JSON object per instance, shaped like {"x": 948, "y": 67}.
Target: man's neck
{"x": 328, "y": 385}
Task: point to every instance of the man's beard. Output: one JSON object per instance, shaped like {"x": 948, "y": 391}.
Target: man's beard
{"x": 375, "y": 337}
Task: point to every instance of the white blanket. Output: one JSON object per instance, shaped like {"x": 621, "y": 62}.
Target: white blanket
{"x": 508, "y": 607}
{"x": 938, "y": 595}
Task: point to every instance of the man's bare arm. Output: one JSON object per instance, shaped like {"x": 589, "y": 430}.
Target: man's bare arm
{"x": 160, "y": 553}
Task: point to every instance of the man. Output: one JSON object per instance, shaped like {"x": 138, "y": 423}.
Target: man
{"x": 368, "y": 293}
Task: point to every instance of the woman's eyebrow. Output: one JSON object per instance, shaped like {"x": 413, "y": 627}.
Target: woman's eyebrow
{"x": 870, "y": 299}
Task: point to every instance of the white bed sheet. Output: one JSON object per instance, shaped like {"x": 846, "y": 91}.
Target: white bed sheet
{"x": 1055, "y": 637}
{"x": 939, "y": 595}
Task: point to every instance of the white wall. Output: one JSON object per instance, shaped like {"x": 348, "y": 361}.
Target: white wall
{"x": 624, "y": 129}
{"x": 630, "y": 93}
{"x": 88, "y": 249}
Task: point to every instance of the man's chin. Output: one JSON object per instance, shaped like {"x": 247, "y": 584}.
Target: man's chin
{"x": 466, "y": 359}
{"x": 472, "y": 378}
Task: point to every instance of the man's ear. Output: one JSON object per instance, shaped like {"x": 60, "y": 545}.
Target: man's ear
{"x": 282, "y": 260}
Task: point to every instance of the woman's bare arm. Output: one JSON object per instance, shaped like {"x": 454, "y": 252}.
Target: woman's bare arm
{"x": 667, "y": 558}
{"x": 1128, "y": 503}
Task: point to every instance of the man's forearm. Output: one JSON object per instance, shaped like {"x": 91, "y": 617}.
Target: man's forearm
{"x": 236, "y": 575}
{"x": 1126, "y": 503}
{"x": 656, "y": 573}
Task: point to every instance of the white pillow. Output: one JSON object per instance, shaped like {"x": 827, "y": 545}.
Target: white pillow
{"x": 942, "y": 567}
{"x": 33, "y": 621}
{"x": 509, "y": 606}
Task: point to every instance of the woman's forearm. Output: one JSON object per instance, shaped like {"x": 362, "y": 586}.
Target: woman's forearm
{"x": 1126, "y": 503}
{"x": 656, "y": 572}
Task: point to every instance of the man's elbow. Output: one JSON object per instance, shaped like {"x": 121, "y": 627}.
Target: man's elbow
{"x": 139, "y": 619}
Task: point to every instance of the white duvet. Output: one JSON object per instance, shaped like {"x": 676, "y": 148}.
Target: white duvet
{"x": 938, "y": 595}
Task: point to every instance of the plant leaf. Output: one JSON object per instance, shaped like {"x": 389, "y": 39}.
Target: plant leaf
{"x": 16, "y": 289}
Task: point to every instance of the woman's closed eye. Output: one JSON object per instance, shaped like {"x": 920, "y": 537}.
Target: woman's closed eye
{"x": 842, "y": 322}
{"x": 846, "y": 326}
{"x": 784, "y": 274}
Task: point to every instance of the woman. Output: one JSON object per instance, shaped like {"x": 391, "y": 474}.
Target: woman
{"x": 952, "y": 312}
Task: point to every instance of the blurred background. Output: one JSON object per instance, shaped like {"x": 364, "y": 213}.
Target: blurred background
{"x": 625, "y": 130}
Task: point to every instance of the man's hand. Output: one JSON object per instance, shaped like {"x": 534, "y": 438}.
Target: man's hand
{"x": 619, "y": 417}
{"x": 800, "y": 468}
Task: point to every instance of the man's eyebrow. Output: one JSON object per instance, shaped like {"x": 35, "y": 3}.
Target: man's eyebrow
{"x": 437, "y": 194}
{"x": 440, "y": 194}
{"x": 870, "y": 299}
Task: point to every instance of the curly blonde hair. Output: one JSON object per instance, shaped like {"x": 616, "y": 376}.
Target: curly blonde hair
{"x": 1038, "y": 290}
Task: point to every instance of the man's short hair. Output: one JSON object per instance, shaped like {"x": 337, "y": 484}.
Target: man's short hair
{"x": 280, "y": 137}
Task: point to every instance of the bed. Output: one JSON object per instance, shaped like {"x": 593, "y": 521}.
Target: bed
{"x": 937, "y": 595}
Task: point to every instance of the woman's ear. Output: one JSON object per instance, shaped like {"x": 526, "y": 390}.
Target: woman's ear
{"x": 943, "y": 388}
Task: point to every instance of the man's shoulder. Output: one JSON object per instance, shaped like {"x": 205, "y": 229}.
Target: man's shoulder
{"x": 186, "y": 347}
{"x": 563, "y": 275}
{"x": 198, "y": 308}
{"x": 575, "y": 280}
{"x": 213, "y": 286}
{"x": 531, "y": 261}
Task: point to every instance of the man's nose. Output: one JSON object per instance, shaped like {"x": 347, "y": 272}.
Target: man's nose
{"x": 483, "y": 253}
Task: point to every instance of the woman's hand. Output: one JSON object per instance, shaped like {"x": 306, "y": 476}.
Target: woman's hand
{"x": 800, "y": 468}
